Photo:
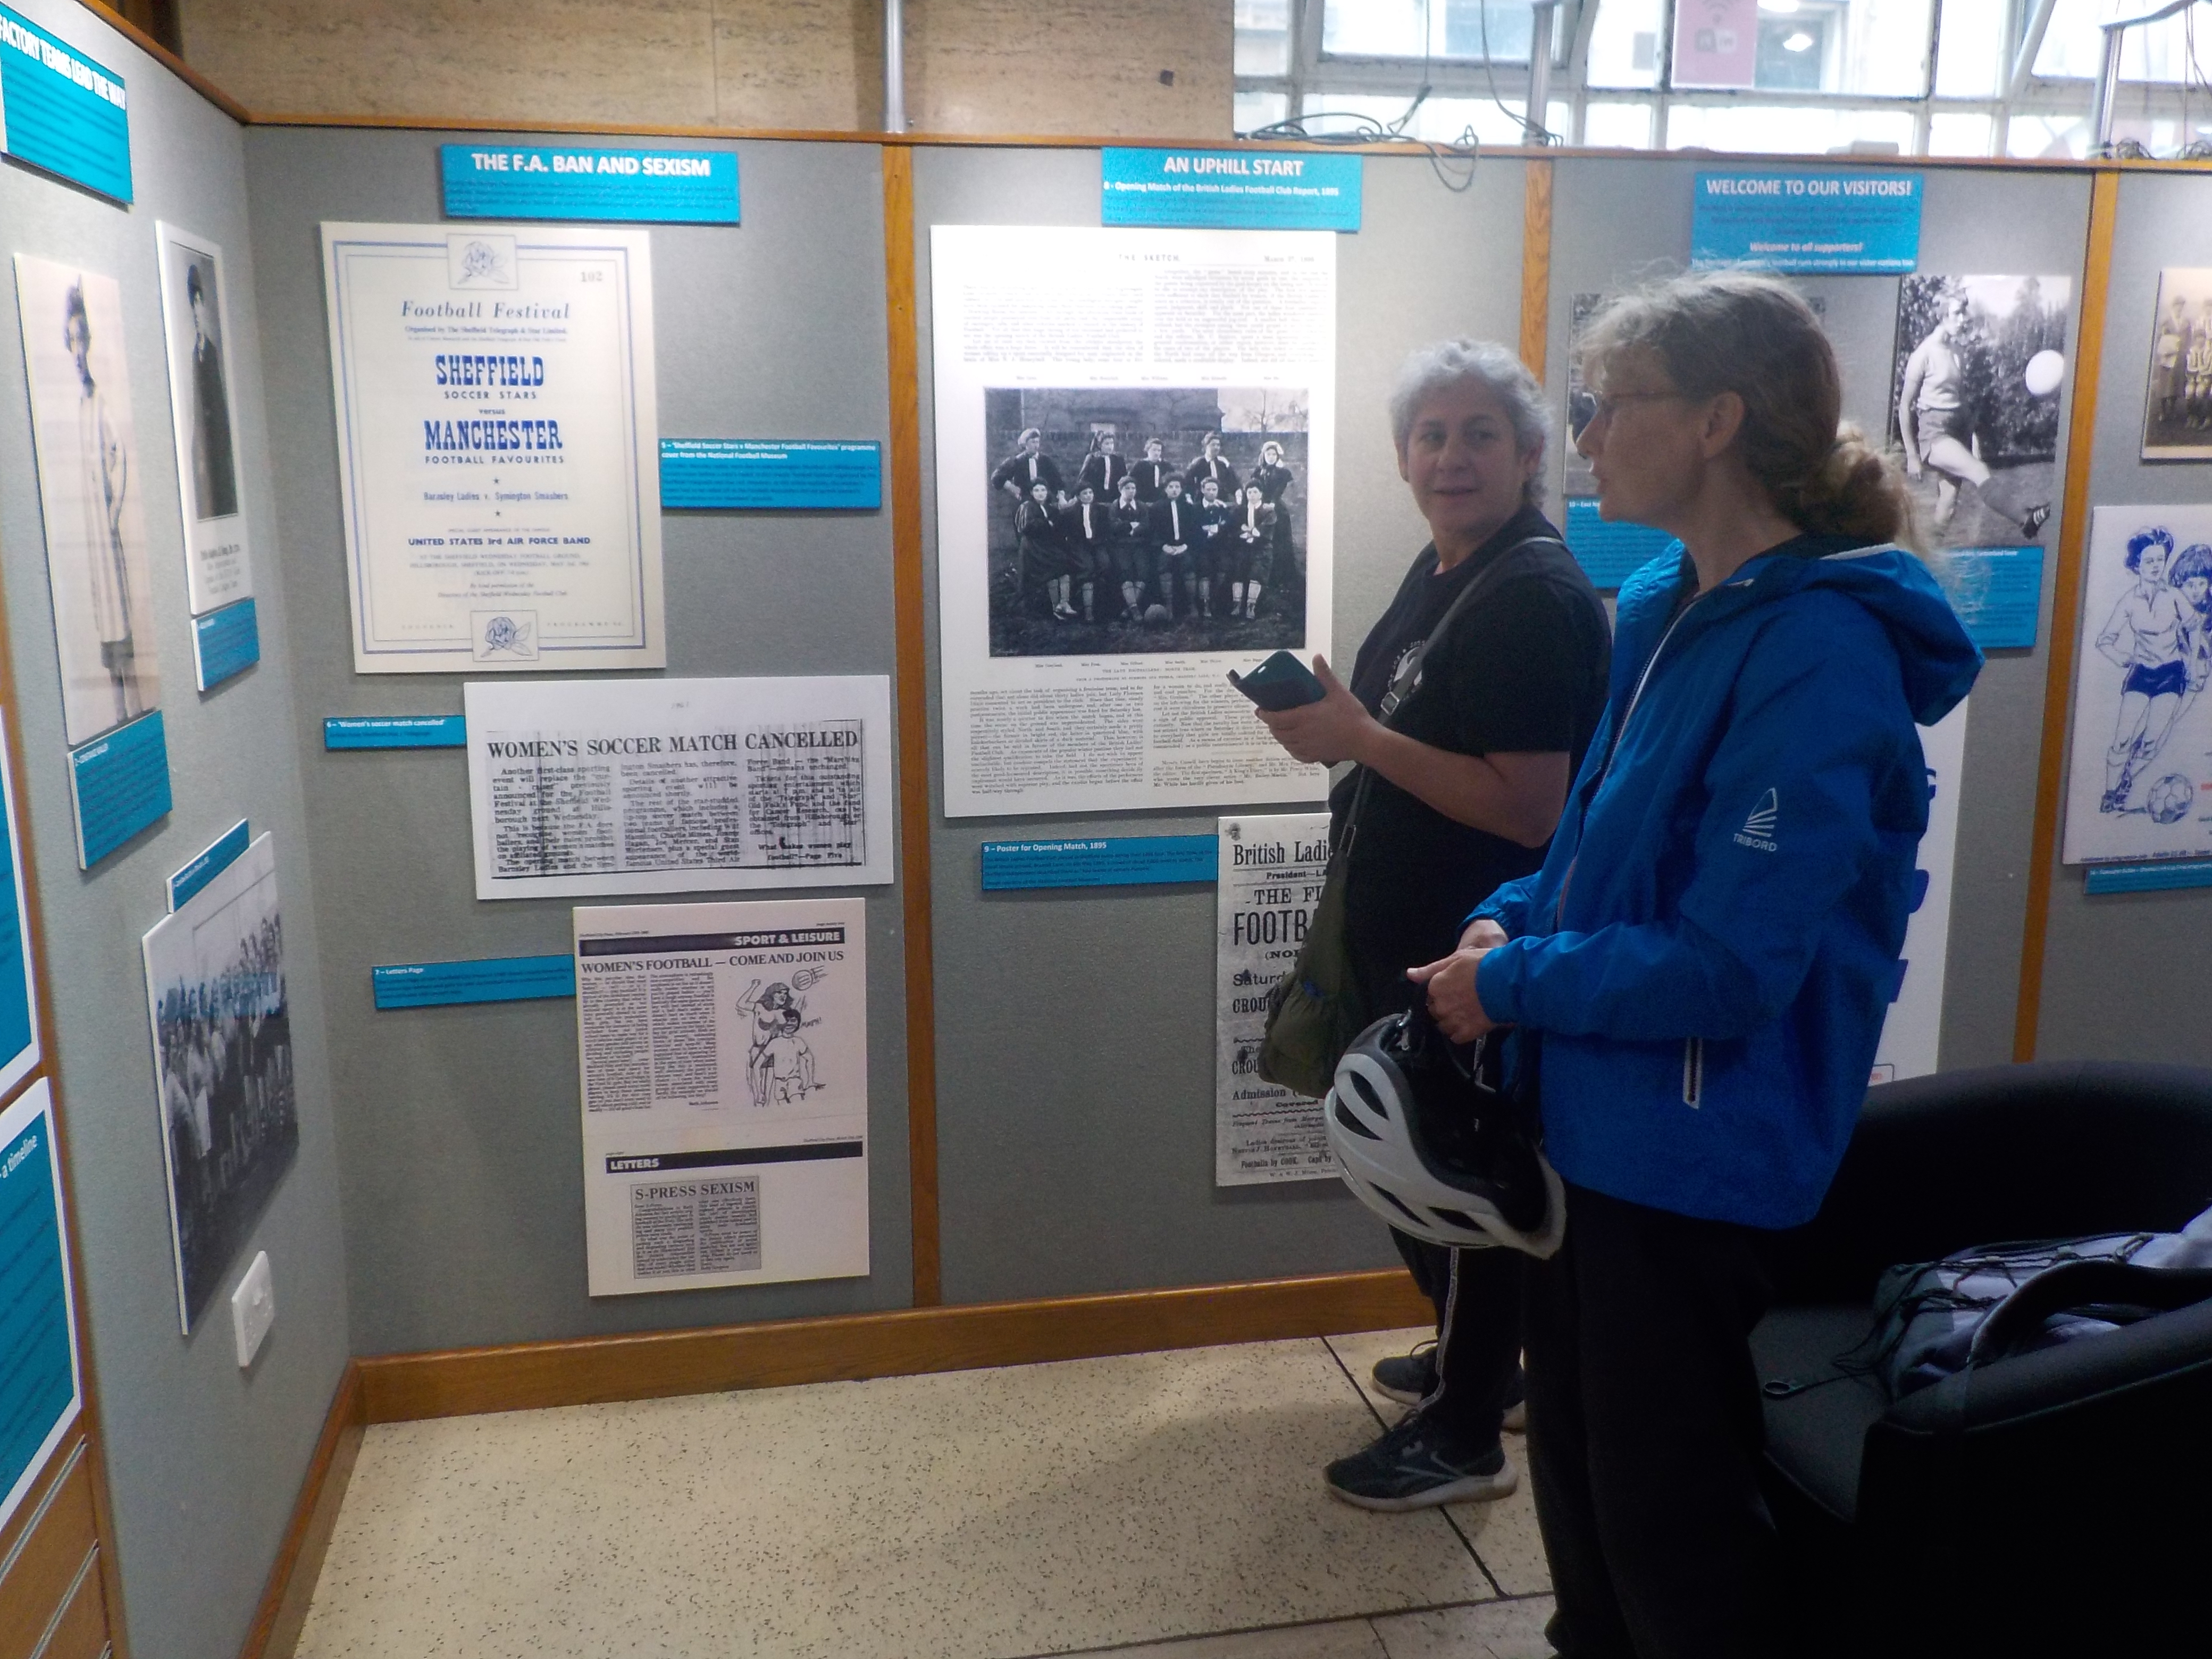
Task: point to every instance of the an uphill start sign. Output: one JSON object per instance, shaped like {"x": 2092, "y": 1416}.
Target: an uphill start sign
{"x": 599, "y": 187}
{"x": 1230, "y": 190}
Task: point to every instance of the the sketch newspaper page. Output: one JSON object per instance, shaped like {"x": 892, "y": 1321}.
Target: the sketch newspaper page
{"x": 579, "y": 787}
{"x": 499, "y": 451}
{"x": 1135, "y": 432}
{"x": 92, "y": 484}
{"x": 1914, "y": 1029}
{"x": 725, "y": 1061}
{"x": 1269, "y": 880}
{"x": 2140, "y": 784}
{"x": 196, "y": 317}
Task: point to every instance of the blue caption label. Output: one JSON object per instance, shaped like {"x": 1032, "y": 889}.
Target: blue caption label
{"x": 120, "y": 784}
{"x": 1997, "y": 593}
{"x": 633, "y": 186}
{"x": 1230, "y": 190}
{"x": 1114, "y": 861}
{"x": 1610, "y": 554}
{"x": 61, "y": 110}
{"x": 37, "y": 1380}
{"x": 226, "y": 642}
{"x": 1836, "y": 222}
{"x": 396, "y": 732}
{"x": 207, "y": 865}
{"x": 16, "y": 1035}
{"x": 2153, "y": 875}
{"x": 490, "y": 979}
{"x": 761, "y": 472}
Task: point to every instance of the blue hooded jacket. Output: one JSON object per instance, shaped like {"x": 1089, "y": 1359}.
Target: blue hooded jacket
{"x": 1713, "y": 941}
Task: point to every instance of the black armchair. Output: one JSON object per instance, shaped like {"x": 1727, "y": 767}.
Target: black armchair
{"x": 2060, "y": 1501}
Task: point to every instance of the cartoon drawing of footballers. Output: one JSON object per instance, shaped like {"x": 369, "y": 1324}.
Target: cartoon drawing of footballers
{"x": 777, "y": 1051}
{"x": 2192, "y": 577}
{"x": 2150, "y": 637}
{"x": 1935, "y": 422}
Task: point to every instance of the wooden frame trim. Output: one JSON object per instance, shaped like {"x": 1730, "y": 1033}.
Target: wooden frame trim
{"x": 275, "y": 1628}
{"x": 657, "y": 1364}
{"x": 2043, "y": 867}
{"x": 1537, "y": 266}
{"x": 909, "y": 610}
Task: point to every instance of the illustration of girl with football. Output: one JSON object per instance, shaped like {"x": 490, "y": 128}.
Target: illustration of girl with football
{"x": 2150, "y": 638}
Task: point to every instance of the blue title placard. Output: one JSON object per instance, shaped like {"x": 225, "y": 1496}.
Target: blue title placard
{"x": 1843, "y": 223}
{"x": 765, "y": 472}
{"x": 489, "y": 979}
{"x": 629, "y": 187}
{"x": 1610, "y": 553}
{"x": 16, "y": 1033}
{"x": 1230, "y": 190}
{"x": 2150, "y": 876}
{"x": 226, "y": 642}
{"x": 1110, "y": 861}
{"x": 221, "y": 854}
{"x": 119, "y": 785}
{"x": 1997, "y": 593}
{"x": 37, "y": 1346}
{"x": 396, "y": 732}
{"x": 62, "y": 112}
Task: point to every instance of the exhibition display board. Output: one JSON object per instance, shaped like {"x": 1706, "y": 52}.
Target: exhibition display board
{"x": 1019, "y": 1068}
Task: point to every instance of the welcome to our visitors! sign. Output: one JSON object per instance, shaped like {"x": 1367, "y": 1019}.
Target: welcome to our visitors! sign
{"x": 1840, "y": 223}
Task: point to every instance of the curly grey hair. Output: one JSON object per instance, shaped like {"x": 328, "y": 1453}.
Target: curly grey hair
{"x": 1447, "y": 363}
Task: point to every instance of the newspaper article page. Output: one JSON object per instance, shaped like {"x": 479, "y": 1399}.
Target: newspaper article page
{"x": 679, "y": 786}
{"x": 724, "y": 1059}
{"x": 1135, "y": 435}
{"x": 1270, "y": 880}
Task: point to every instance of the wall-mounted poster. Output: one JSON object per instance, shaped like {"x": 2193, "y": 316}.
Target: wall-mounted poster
{"x": 1980, "y": 369}
{"x": 41, "y": 1383}
{"x": 90, "y": 480}
{"x": 1269, "y": 880}
{"x": 223, "y": 1052}
{"x": 582, "y": 787}
{"x": 725, "y": 1056}
{"x": 498, "y": 446}
{"x": 2140, "y": 782}
{"x": 1135, "y": 444}
{"x": 19, "y": 997}
{"x": 2178, "y": 407}
{"x": 195, "y": 314}
{"x": 1911, "y": 1036}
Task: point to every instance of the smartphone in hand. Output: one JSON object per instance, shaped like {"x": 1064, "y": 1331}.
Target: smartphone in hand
{"x": 1281, "y": 682}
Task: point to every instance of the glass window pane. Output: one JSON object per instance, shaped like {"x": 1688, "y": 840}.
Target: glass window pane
{"x": 1438, "y": 121}
{"x": 2048, "y": 137}
{"x": 1774, "y": 129}
{"x": 1623, "y": 48}
{"x": 1870, "y": 47}
{"x": 1617, "y": 126}
{"x": 1263, "y": 37}
{"x": 2074, "y": 45}
{"x": 1435, "y": 28}
{"x": 1960, "y": 135}
{"x": 1972, "y": 59}
{"x": 1250, "y": 111}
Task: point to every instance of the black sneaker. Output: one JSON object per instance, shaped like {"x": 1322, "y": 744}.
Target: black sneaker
{"x": 1413, "y": 1466}
{"x": 1408, "y": 1378}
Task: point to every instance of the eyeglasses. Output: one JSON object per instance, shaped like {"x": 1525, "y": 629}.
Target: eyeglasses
{"x": 1605, "y": 408}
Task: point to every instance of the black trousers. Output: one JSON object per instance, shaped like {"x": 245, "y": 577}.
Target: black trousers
{"x": 1645, "y": 1434}
{"x": 1477, "y": 1295}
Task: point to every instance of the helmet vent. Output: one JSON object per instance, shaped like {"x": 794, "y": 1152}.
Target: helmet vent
{"x": 1411, "y": 1214}
{"x": 1459, "y": 1219}
{"x": 1368, "y": 1098}
{"x": 1343, "y": 1117}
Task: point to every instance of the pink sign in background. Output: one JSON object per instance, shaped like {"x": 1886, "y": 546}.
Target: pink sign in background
{"x": 1716, "y": 42}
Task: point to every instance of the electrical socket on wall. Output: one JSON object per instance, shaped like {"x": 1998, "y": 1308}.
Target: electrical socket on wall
{"x": 253, "y": 1308}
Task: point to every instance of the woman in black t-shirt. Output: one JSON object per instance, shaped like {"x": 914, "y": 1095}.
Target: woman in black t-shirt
{"x": 1469, "y": 778}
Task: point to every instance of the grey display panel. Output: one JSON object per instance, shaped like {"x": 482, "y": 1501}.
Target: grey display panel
{"x": 2121, "y": 972}
{"x": 1060, "y": 1177}
{"x": 464, "y": 1197}
{"x": 1616, "y": 223}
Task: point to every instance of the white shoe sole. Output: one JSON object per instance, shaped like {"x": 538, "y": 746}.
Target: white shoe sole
{"x": 1474, "y": 1489}
{"x": 1516, "y": 1414}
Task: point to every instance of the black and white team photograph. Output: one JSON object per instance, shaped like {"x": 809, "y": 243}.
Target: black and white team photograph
{"x": 2178, "y": 409}
{"x": 1973, "y": 407}
{"x": 1146, "y": 518}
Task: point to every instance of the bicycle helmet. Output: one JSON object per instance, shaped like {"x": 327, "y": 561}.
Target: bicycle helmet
{"x": 1429, "y": 1144}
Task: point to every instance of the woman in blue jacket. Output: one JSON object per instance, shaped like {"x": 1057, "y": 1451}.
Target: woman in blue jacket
{"x": 1711, "y": 945}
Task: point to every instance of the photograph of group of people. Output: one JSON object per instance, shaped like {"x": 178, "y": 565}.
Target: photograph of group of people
{"x": 2177, "y": 415}
{"x": 1145, "y": 520}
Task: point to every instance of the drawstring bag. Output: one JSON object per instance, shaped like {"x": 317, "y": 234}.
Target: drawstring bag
{"x": 1317, "y": 1011}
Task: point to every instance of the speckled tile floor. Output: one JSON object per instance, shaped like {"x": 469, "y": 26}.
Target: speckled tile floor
{"x": 1172, "y": 1500}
